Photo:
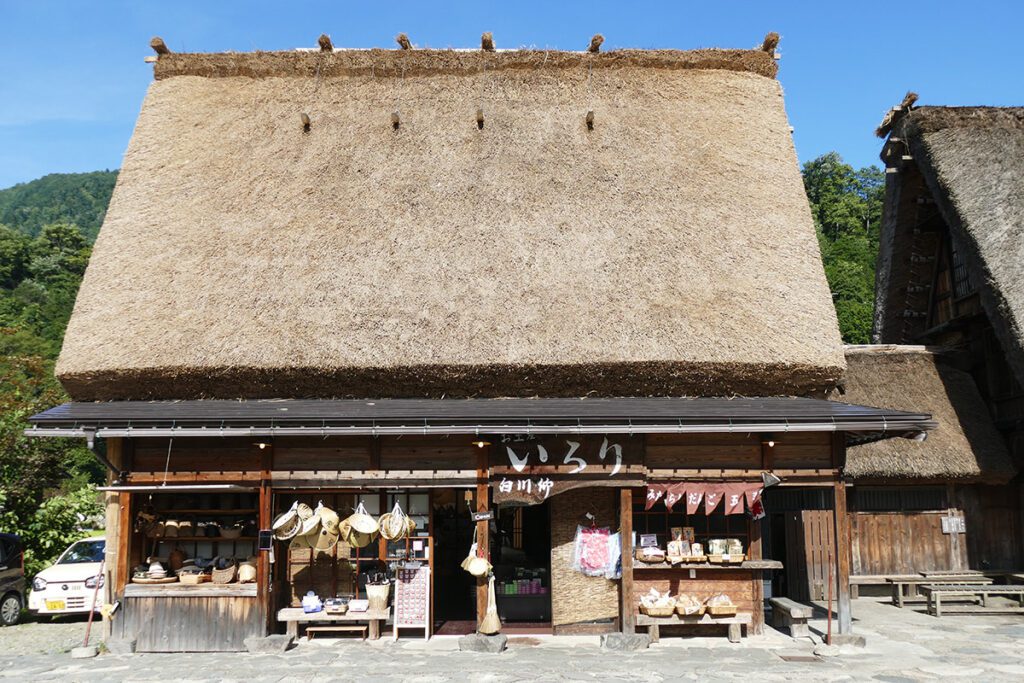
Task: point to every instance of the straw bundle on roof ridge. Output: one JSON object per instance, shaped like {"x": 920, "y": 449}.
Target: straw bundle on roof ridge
{"x": 421, "y": 62}
{"x": 966, "y": 445}
{"x": 668, "y": 251}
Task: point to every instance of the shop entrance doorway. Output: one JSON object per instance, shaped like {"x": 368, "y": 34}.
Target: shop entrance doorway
{"x": 454, "y": 587}
{"x": 521, "y": 553}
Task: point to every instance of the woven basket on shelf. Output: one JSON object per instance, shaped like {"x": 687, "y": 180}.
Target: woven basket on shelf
{"x": 722, "y": 610}
{"x": 226, "y": 575}
{"x": 193, "y": 579}
{"x": 662, "y": 611}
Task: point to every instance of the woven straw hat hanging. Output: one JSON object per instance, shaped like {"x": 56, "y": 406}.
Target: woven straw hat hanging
{"x": 362, "y": 522}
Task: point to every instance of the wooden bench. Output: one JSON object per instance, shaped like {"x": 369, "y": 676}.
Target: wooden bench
{"x": 905, "y": 589}
{"x": 734, "y": 624}
{"x": 310, "y": 630}
{"x": 935, "y": 594}
{"x": 293, "y": 616}
{"x": 791, "y": 614}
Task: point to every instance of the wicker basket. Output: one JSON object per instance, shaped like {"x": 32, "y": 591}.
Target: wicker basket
{"x": 722, "y": 610}
{"x": 226, "y": 575}
{"x": 378, "y": 595}
{"x": 193, "y": 579}
{"x": 661, "y": 611}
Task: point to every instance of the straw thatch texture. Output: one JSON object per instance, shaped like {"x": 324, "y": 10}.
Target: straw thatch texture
{"x": 668, "y": 251}
{"x": 966, "y": 445}
{"x": 575, "y": 597}
{"x": 972, "y": 159}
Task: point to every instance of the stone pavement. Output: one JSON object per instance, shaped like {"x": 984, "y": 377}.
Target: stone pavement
{"x": 902, "y": 645}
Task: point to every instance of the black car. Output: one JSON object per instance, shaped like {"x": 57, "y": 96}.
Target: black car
{"x": 12, "y": 579}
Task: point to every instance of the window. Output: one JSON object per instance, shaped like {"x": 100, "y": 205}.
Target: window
{"x": 83, "y": 552}
{"x": 895, "y": 499}
{"x": 658, "y": 520}
{"x": 962, "y": 283}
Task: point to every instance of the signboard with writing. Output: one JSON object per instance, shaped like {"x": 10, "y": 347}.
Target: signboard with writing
{"x": 412, "y": 599}
{"x": 531, "y": 470}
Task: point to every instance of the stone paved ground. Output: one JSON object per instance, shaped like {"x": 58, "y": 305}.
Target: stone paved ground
{"x": 901, "y": 646}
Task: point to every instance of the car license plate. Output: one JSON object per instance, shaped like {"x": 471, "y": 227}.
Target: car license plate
{"x": 54, "y": 604}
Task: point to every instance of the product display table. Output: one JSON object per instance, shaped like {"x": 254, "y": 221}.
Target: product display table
{"x": 293, "y": 616}
{"x": 734, "y": 623}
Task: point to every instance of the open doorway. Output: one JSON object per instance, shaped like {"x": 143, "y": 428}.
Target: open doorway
{"x": 521, "y": 554}
{"x": 454, "y": 587}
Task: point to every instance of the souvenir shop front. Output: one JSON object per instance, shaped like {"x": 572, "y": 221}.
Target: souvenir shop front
{"x": 534, "y": 516}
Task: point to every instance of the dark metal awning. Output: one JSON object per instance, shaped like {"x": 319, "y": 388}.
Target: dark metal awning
{"x": 294, "y": 417}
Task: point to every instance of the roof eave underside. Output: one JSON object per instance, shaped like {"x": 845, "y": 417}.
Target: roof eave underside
{"x": 134, "y": 419}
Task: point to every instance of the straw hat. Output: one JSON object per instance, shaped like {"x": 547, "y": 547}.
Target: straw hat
{"x": 311, "y": 525}
{"x": 287, "y": 523}
{"x": 362, "y": 522}
{"x": 329, "y": 529}
{"x": 356, "y": 539}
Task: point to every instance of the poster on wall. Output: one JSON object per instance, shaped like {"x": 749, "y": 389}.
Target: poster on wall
{"x": 412, "y": 599}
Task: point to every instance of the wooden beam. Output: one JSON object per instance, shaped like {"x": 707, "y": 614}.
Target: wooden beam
{"x": 626, "y": 601}
{"x": 265, "y": 512}
{"x": 115, "y": 454}
{"x": 756, "y": 553}
{"x": 159, "y": 46}
{"x": 842, "y": 544}
{"x": 483, "y": 540}
{"x": 248, "y": 476}
{"x": 123, "y": 538}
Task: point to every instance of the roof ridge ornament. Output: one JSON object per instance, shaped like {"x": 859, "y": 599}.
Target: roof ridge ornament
{"x": 893, "y": 116}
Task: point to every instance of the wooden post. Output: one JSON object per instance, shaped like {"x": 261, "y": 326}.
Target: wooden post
{"x": 483, "y": 537}
{"x": 842, "y": 540}
{"x": 264, "y": 592}
{"x": 112, "y": 531}
{"x": 626, "y": 601}
{"x": 841, "y": 536}
{"x": 756, "y": 553}
{"x": 124, "y": 535}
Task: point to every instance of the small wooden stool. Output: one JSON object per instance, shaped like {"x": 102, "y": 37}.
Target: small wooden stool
{"x": 310, "y": 630}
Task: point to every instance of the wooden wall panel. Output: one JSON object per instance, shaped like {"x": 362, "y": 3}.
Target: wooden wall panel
{"x": 802, "y": 450}
{"x": 410, "y": 453}
{"x": 337, "y": 453}
{"x": 707, "y": 451}
{"x": 995, "y": 537}
{"x": 190, "y": 624}
{"x": 576, "y": 598}
{"x": 903, "y": 543}
{"x": 211, "y": 454}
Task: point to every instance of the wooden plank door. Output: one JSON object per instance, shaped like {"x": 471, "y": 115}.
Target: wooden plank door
{"x": 810, "y": 545}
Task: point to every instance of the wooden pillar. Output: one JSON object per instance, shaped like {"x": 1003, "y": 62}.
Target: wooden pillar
{"x": 264, "y": 571}
{"x": 842, "y": 554}
{"x": 626, "y": 601}
{"x": 841, "y": 519}
{"x": 756, "y": 553}
{"x": 483, "y": 535}
{"x": 112, "y": 526}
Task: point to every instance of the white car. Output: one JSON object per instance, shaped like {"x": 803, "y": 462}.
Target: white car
{"x": 67, "y": 587}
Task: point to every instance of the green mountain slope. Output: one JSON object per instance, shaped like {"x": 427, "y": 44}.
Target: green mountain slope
{"x": 78, "y": 198}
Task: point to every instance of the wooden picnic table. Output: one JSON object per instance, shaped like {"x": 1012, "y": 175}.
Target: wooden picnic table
{"x": 903, "y": 585}
{"x": 293, "y": 616}
{"x": 935, "y": 594}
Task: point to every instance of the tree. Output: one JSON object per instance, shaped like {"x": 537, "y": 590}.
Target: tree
{"x": 847, "y": 208}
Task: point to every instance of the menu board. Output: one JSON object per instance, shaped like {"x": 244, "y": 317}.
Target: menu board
{"x": 412, "y": 599}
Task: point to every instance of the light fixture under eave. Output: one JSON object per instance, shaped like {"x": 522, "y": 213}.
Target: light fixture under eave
{"x": 480, "y": 443}
{"x": 769, "y": 479}
{"x": 262, "y": 445}
{"x": 920, "y": 436}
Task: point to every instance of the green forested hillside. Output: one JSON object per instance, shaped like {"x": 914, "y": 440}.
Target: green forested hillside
{"x": 78, "y": 198}
{"x": 46, "y": 492}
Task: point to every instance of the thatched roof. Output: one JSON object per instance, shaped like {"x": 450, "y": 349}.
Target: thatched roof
{"x": 972, "y": 159}
{"x": 667, "y": 251}
{"x": 966, "y": 445}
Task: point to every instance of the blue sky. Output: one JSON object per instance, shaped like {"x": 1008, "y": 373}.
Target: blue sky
{"x": 72, "y": 76}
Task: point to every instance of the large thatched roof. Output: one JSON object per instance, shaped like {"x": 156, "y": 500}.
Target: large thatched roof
{"x": 972, "y": 160}
{"x": 667, "y": 251}
{"x": 966, "y": 445}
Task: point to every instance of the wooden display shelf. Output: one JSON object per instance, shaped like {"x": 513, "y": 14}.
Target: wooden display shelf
{"x": 747, "y": 564}
{"x": 181, "y": 590}
{"x": 190, "y": 539}
{"x": 216, "y": 512}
